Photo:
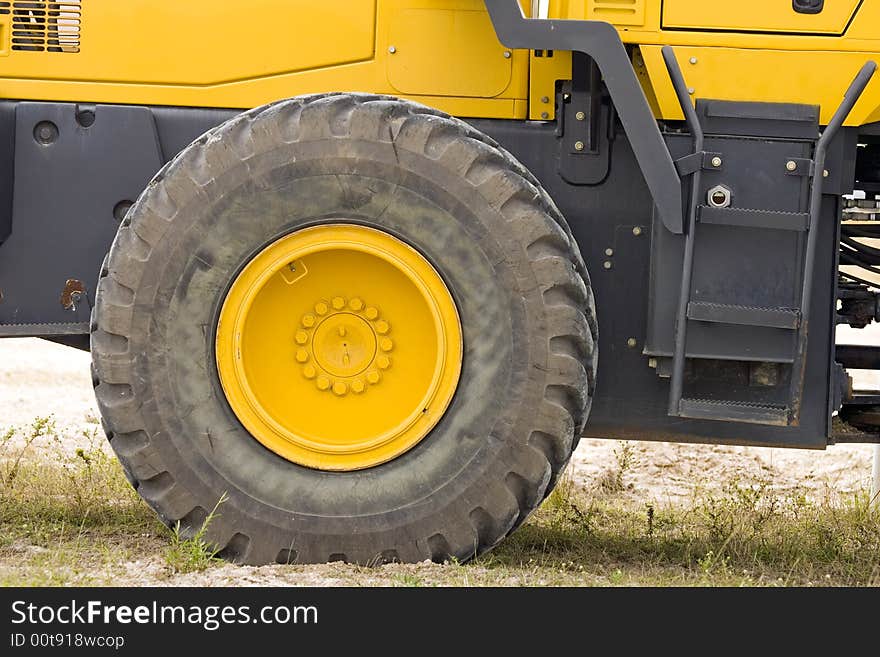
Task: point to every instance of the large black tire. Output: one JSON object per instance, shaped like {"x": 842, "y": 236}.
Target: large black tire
{"x": 433, "y": 181}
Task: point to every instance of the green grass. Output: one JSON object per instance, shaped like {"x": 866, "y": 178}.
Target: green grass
{"x": 69, "y": 517}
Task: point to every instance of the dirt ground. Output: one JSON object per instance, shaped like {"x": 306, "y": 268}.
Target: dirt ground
{"x": 39, "y": 379}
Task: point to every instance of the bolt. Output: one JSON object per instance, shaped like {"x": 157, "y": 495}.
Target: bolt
{"x": 652, "y": 363}
{"x": 338, "y": 303}
{"x": 302, "y": 337}
{"x": 691, "y": 91}
{"x": 323, "y": 383}
{"x": 308, "y": 320}
{"x": 825, "y": 173}
{"x": 356, "y": 304}
{"x": 580, "y": 116}
{"x": 382, "y": 327}
{"x": 371, "y": 313}
{"x": 339, "y": 389}
{"x": 637, "y": 230}
{"x": 507, "y": 54}
{"x": 302, "y": 355}
{"x": 607, "y": 264}
{"x": 545, "y": 99}
{"x": 716, "y": 161}
{"x": 386, "y": 344}
{"x": 609, "y": 252}
{"x": 383, "y": 362}
{"x": 358, "y": 386}
{"x": 392, "y": 49}
{"x": 373, "y": 377}
{"x": 632, "y": 343}
{"x": 545, "y": 115}
{"x": 791, "y": 165}
{"x": 578, "y": 145}
{"x": 321, "y": 308}
{"x": 309, "y": 371}
{"x": 693, "y": 60}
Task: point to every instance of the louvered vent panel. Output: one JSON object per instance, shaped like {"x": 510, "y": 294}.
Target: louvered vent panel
{"x": 45, "y": 26}
{"x": 617, "y": 12}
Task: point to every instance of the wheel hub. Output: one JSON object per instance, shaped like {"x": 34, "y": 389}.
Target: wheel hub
{"x": 339, "y": 388}
{"x": 344, "y": 347}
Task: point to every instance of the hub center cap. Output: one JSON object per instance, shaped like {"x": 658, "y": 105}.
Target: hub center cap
{"x": 343, "y": 346}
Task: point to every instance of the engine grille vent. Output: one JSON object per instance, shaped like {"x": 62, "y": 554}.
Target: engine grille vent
{"x": 45, "y": 26}
{"x": 618, "y": 12}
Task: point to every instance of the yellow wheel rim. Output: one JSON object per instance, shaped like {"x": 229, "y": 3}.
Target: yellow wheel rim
{"x": 339, "y": 347}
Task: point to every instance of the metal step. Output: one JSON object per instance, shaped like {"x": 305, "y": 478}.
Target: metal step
{"x": 745, "y": 218}
{"x": 722, "y": 313}
{"x": 731, "y": 411}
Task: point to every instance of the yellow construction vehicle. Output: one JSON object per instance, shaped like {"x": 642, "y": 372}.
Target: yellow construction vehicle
{"x": 331, "y": 259}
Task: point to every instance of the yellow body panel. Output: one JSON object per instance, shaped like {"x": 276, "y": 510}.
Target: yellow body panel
{"x": 756, "y": 15}
{"x": 243, "y": 53}
{"x": 756, "y": 50}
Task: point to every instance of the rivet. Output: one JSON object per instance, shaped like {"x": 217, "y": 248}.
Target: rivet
{"x": 631, "y": 343}
{"x": 339, "y": 388}
{"x": 373, "y": 377}
{"x": 356, "y": 304}
{"x": 382, "y": 327}
{"x": 358, "y": 386}
{"x": 716, "y": 161}
{"x": 323, "y": 383}
{"x": 338, "y": 303}
{"x": 302, "y": 355}
{"x": 308, "y": 321}
{"x": 693, "y": 60}
{"x": 507, "y": 54}
{"x": 580, "y": 116}
{"x": 607, "y": 264}
{"x": 371, "y": 313}
{"x": 392, "y": 49}
{"x": 609, "y": 252}
{"x": 545, "y": 99}
{"x": 321, "y": 308}
{"x": 691, "y": 91}
{"x": 791, "y": 165}
{"x": 386, "y": 344}
{"x": 545, "y": 115}
{"x": 301, "y": 337}
{"x": 637, "y": 230}
{"x": 383, "y": 362}
{"x": 578, "y": 145}
{"x": 309, "y": 371}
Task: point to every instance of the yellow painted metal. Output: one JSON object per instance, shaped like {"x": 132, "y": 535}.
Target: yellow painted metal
{"x": 811, "y": 78}
{"x": 546, "y": 70}
{"x": 465, "y": 38}
{"x": 244, "y": 53}
{"x": 756, "y": 15}
{"x": 339, "y": 347}
{"x": 618, "y": 12}
{"x": 757, "y": 50}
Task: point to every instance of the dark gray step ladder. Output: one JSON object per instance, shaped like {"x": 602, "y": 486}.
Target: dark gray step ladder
{"x": 792, "y": 319}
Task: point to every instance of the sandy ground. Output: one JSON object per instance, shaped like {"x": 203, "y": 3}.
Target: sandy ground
{"x": 38, "y": 378}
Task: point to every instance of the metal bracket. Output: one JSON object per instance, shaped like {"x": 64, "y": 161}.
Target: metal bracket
{"x": 702, "y": 161}
{"x": 799, "y": 166}
{"x": 601, "y": 42}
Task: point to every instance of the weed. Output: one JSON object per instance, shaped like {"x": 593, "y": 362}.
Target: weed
{"x": 192, "y": 553}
